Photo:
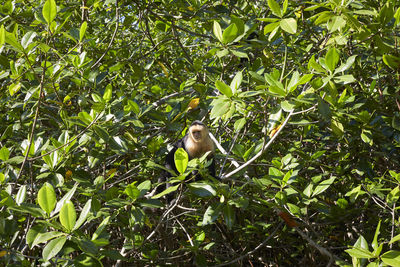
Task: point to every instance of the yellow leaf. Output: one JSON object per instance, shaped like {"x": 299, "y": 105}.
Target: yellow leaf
{"x": 273, "y": 132}
{"x": 110, "y": 172}
{"x": 194, "y": 103}
{"x": 3, "y": 253}
{"x": 68, "y": 174}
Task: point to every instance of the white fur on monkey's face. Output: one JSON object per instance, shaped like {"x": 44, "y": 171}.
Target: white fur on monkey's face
{"x": 198, "y": 132}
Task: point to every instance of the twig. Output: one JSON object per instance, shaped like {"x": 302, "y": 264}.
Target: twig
{"x": 180, "y": 44}
{"x": 113, "y": 36}
{"x": 322, "y": 250}
{"x": 34, "y": 123}
{"x": 262, "y": 150}
{"x": 254, "y": 250}
{"x": 162, "y": 219}
{"x": 187, "y": 234}
{"x": 69, "y": 142}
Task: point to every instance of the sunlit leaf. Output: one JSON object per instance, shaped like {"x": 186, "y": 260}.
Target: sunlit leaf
{"x": 68, "y": 215}
{"x": 49, "y": 11}
{"x": 47, "y": 198}
{"x": 53, "y": 247}
{"x": 289, "y": 25}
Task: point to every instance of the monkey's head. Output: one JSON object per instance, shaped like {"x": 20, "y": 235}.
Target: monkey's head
{"x": 198, "y": 131}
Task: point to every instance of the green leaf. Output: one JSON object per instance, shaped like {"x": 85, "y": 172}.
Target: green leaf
{"x": 47, "y": 198}
{"x": 166, "y": 191}
{"x": 360, "y": 253}
{"x": 2, "y": 35}
{"x": 14, "y": 88}
{"x": 332, "y": 59}
{"x": 229, "y": 216}
{"x": 239, "y": 124}
{"x": 366, "y": 136}
{"x": 236, "y": 81}
{"x": 4, "y": 153}
{"x": 132, "y": 191}
{"x": 230, "y": 34}
{"x": 53, "y": 247}
{"x": 202, "y": 189}
{"x": 44, "y": 237}
{"x": 49, "y": 11}
{"x": 270, "y": 27}
{"x": 337, "y": 128}
{"x": 287, "y": 106}
{"x": 217, "y": 31}
{"x": 289, "y": 25}
{"x": 375, "y": 241}
{"x": 68, "y": 215}
{"x": 345, "y": 79}
{"x": 223, "y": 88}
{"x": 336, "y": 23}
{"x": 346, "y": 65}
{"x": 211, "y": 215}
{"x": 84, "y": 214}
{"x": 308, "y": 190}
{"x": 33, "y": 233}
{"x": 101, "y": 227}
{"x": 82, "y": 31}
{"x": 108, "y": 93}
{"x": 27, "y": 39}
{"x": 322, "y": 186}
{"x": 181, "y": 160}
{"x": 391, "y": 258}
{"x": 312, "y": 64}
{"x": 144, "y": 187}
{"x": 394, "y": 239}
{"x": 20, "y": 197}
{"x": 12, "y": 40}
{"x": 219, "y": 109}
{"x": 275, "y": 8}
{"x": 393, "y": 196}
{"x": 391, "y": 61}
{"x": 65, "y": 198}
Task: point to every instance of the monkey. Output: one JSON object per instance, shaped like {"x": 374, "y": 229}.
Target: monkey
{"x": 196, "y": 143}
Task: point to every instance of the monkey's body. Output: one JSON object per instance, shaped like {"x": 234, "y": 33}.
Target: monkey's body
{"x": 196, "y": 143}
{"x": 193, "y": 152}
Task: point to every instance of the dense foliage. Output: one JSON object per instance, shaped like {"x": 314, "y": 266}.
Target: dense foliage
{"x": 302, "y": 97}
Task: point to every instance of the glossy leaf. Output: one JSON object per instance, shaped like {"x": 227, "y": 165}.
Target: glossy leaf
{"x": 181, "y": 160}
{"x": 332, "y": 59}
{"x": 82, "y": 31}
{"x": 68, "y": 215}
{"x": 49, "y": 11}
{"x": 84, "y": 214}
{"x": 275, "y": 8}
{"x": 53, "y": 247}
{"x": 289, "y": 25}
{"x": 229, "y": 34}
{"x": 217, "y": 31}
{"x": 101, "y": 227}
{"x": 223, "y": 88}
{"x": 47, "y": 198}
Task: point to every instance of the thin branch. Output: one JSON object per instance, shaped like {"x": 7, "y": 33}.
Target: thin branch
{"x": 112, "y": 38}
{"x": 34, "y": 122}
{"x": 254, "y": 250}
{"x": 69, "y": 142}
{"x": 180, "y": 44}
{"x": 162, "y": 218}
{"x": 262, "y": 150}
{"x": 322, "y": 250}
{"x": 187, "y": 234}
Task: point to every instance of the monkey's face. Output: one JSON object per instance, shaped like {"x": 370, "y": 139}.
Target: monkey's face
{"x": 196, "y": 135}
{"x": 197, "y": 132}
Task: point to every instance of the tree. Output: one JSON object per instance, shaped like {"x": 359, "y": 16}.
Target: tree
{"x": 303, "y": 98}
